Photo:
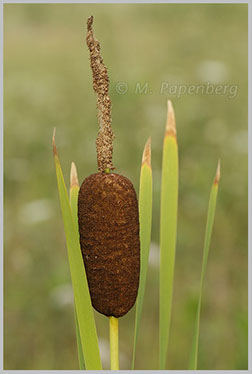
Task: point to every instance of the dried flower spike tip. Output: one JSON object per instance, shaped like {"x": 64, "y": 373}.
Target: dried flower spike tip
{"x": 104, "y": 141}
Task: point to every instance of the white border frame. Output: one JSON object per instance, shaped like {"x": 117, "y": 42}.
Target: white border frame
{"x": 2, "y": 2}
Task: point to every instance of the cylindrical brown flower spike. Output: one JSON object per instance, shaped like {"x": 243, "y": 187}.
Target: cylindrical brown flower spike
{"x": 108, "y": 213}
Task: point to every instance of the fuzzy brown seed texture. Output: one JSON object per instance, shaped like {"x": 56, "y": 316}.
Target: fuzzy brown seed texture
{"x": 104, "y": 141}
{"x": 109, "y": 238}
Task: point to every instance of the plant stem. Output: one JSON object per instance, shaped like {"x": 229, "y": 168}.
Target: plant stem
{"x": 114, "y": 343}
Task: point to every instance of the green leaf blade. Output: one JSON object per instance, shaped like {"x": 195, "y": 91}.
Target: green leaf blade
{"x": 78, "y": 339}
{"x": 83, "y": 305}
{"x": 74, "y": 192}
{"x": 168, "y": 231}
{"x": 208, "y": 233}
{"x": 145, "y": 218}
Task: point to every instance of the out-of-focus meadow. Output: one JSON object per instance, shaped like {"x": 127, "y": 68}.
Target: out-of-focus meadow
{"x": 47, "y": 84}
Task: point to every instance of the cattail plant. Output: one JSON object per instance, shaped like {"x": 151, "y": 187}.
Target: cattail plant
{"x": 108, "y": 217}
{"x": 108, "y": 212}
{"x": 108, "y": 234}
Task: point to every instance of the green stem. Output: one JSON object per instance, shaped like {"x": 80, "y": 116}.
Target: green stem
{"x": 114, "y": 343}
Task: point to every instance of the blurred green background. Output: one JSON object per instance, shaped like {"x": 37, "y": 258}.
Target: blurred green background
{"x": 47, "y": 84}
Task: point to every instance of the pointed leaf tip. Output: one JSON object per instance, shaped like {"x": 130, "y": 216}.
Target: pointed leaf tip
{"x": 146, "y": 159}
{"x": 217, "y": 176}
{"x": 73, "y": 176}
{"x": 53, "y": 137}
{"x": 170, "y": 123}
{"x": 53, "y": 142}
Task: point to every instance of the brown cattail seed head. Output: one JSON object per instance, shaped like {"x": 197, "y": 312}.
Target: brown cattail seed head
{"x": 109, "y": 238}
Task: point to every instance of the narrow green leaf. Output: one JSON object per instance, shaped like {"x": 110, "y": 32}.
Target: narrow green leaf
{"x": 145, "y": 215}
{"x": 168, "y": 231}
{"x": 74, "y": 191}
{"x": 78, "y": 339}
{"x": 209, "y": 227}
{"x": 83, "y": 305}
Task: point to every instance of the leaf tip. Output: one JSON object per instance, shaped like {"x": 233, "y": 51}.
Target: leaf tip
{"x": 53, "y": 142}
{"x": 73, "y": 176}
{"x": 217, "y": 176}
{"x": 170, "y": 128}
{"x": 146, "y": 159}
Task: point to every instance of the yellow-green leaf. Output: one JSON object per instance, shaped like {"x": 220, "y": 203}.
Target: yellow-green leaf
{"x": 209, "y": 227}
{"x": 78, "y": 339}
{"x": 145, "y": 215}
{"x": 74, "y": 191}
{"x": 83, "y": 305}
{"x": 168, "y": 231}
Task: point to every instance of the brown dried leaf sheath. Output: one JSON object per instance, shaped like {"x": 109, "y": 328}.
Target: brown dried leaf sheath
{"x": 109, "y": 237}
